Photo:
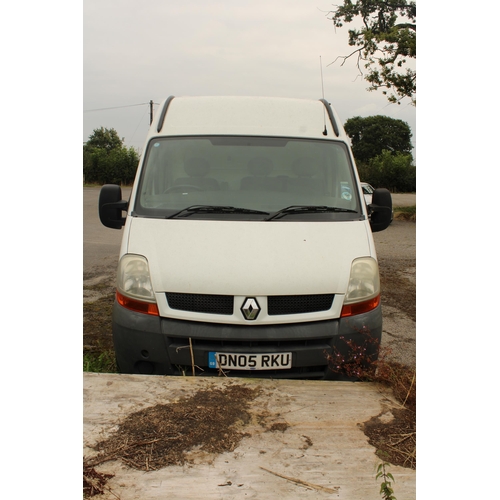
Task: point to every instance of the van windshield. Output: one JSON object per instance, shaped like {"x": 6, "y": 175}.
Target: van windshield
{"x": 247, "y": 178}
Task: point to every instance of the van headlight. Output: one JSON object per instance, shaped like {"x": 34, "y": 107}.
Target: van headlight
{"x": 133, "y": 278}
{"x": 364, "y": 281}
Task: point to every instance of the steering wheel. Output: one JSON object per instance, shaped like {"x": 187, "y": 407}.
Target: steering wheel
{"x": 179, "y": 187}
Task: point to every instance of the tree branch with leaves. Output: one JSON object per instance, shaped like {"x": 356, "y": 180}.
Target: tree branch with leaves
{"x": 106, "y": 160}
{"x": 385, "y": 43}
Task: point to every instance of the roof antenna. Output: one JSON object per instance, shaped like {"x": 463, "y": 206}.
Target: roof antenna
{"x": 323, "y": 95}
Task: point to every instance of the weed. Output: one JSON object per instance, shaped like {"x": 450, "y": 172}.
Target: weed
{"x": 103, "y": 362}
{"x": 401, "y": 379}
{"x": 355, "y": 358}
{"x": 386, "y": 486}
{"x": 363, "y": 359}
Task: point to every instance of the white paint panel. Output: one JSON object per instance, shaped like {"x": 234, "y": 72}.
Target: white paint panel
{"x": 249, "y": 257}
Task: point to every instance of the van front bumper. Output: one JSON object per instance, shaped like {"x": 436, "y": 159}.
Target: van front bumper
{"x": 161, "y": 346}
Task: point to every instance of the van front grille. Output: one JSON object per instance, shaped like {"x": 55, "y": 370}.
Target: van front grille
{"x": 298, "y": 304}
{"x": 224, "y": 304}
{"x": 201, "y": 303}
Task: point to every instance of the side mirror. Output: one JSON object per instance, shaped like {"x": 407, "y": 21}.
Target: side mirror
{"x": 380, "y": 210}
{"x": 111, "y": 206}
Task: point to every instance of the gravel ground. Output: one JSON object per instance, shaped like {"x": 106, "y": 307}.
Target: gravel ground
{"x": 396, "y": 251}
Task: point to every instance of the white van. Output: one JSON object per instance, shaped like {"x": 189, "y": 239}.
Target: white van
{"x": 247, "y": 245}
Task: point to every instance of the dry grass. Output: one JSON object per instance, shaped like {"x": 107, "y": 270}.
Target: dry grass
{"x": 210, "y": 421}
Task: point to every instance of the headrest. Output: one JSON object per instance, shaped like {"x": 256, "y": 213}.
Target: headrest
{"x": 197, "y": 167}
{"x": 305, "y": 167}
{"x": 260, "y": 166}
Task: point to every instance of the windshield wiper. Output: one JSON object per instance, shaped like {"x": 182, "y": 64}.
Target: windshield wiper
{"x": 214, "y": 209}
{"x": 303, "y": 209}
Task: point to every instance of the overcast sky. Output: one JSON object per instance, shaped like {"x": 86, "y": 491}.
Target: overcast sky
{"x": 137, "y": 51}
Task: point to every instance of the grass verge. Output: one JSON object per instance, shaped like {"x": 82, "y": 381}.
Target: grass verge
{"x": 98, "y": 350}
{"x": 405, "y": 213}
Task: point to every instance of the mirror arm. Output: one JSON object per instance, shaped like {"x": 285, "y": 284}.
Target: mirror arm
{"x": 110, "y": 208}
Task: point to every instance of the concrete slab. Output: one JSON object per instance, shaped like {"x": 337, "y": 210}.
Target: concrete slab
{"x": 323, "y": 453}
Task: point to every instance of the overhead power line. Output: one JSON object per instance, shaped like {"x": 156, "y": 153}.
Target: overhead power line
{"x": 116, "y": 107}
{"x": 150, "y": 103}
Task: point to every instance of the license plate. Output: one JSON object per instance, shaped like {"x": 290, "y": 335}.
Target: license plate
{"x": 238, "y": 361}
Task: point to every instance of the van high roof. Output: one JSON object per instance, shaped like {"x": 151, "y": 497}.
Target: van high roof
{"x": 255, "y": 116}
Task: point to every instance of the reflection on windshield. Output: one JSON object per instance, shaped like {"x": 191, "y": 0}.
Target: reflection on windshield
{"x": 251, "y": 173}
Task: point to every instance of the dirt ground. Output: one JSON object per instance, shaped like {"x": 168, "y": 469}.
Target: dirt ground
{"x": 172, "y": 427}
{"x": 98, "y": 298}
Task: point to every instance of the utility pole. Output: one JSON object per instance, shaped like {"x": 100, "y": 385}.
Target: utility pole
{"x": 150, "y": 112}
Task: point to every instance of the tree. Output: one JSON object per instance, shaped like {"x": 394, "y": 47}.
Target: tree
{"x": 374, "y": 134}
{"x": 385, "y": 42}
{"x": 393, "y": 171}
{"x": 107, "y": 160}
{"x": 104, "y": 138}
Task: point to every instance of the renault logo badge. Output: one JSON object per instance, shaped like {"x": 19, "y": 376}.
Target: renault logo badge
{"x": 250, "y": 308}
